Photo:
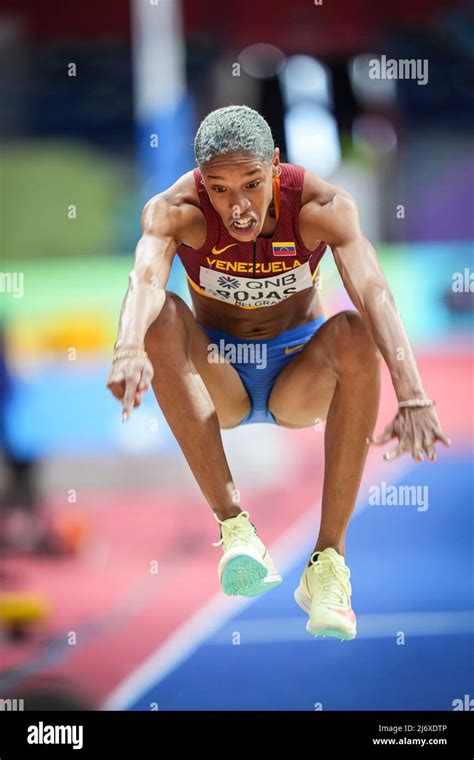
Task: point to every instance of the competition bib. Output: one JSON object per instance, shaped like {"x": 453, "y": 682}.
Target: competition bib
{"x": 249, "y": 292}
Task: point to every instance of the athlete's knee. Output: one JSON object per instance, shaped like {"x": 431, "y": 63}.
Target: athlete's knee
{"x": 353, "y": 347}
{"x": 169, "y": 322}
{"x": 173, "y": 309}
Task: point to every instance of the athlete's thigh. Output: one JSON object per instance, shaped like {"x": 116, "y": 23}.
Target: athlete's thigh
{"x": 223, "y": 382}
{"x": 303, "y": 390}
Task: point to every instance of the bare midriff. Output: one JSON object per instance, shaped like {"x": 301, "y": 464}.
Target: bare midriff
{"x": 265, "y": 322}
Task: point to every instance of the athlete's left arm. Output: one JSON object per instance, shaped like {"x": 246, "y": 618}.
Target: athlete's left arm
{"x": 417, "y": 428}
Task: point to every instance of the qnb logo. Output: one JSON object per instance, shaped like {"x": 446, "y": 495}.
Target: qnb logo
{"x": 463, "y": 704}
{"x": 41, "y": 734}
{"x": 12, "y": 705}
{"x": 227, "y": 282}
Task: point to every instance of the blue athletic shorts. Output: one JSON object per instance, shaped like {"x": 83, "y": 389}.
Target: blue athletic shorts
{"x": 259, "y": 362}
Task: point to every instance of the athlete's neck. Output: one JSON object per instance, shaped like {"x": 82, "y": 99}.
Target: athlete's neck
{"x": 270, "y": 221}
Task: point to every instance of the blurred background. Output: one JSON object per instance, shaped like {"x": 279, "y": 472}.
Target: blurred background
{"x": 101, "y": 524}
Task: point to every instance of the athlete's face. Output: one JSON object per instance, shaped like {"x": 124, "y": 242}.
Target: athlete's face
{"x": 240, "y": 189}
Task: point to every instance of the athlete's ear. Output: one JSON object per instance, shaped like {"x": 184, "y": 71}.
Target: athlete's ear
{"x": 276, "y": 168}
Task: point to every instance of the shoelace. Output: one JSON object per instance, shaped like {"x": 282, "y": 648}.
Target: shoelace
{"x": 328, "y": 592}
{"x": 234, "y": 531}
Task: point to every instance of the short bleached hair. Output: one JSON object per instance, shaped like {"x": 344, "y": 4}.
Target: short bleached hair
{"x": 234, "y": 128}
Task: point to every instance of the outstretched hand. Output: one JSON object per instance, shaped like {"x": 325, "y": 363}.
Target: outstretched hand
{"x": 417, "y": 429}
{"x": 129, "y": 379}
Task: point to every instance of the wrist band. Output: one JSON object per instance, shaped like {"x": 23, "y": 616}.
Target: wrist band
{"x": 415, "y": 402}
{"x": 129, "y": 354}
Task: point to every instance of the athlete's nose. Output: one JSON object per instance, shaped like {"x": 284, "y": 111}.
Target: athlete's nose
{"x": 240, "y": 208}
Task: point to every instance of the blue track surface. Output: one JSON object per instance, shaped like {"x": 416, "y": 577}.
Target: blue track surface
{"x": 402, "y": 561}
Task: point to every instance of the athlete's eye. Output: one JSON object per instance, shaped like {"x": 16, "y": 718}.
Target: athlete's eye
{"x": 251, "y": 185}
{"x": 219, "y": 189}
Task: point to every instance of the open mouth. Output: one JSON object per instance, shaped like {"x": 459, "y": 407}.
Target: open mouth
{"x": 243, "y": 226}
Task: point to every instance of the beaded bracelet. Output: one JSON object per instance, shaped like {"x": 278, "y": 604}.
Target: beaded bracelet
{"x": 129, "y": 354}
{"x": 416, "y": 402}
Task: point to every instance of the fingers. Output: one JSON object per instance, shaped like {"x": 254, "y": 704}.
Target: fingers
{"x": 418, "y": 449}
{"x": 129, "y": 397}
{"x": 416, "y": 433}
{"x": 142, "y": 387}
{"x": 384, "y": 437}
{"x": 431, "y": 451}
{"x": 428, "y": 446}
{"x": 439, "y": 436}
{"x": 397, "y": 451}
{"x": 429, "y": 440}
{"x": 117, "y": 389}
{"x": 128, "y": 382}
{"x": 146, "y": 378}
{"x": 416, "y": 444}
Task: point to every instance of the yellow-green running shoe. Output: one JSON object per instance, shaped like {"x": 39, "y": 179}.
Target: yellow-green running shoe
{"x": 325, "y": 594}
{"x": 246, "y": 569}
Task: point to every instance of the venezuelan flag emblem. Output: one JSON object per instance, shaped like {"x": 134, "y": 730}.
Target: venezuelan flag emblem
{"x": 284, "y": 249}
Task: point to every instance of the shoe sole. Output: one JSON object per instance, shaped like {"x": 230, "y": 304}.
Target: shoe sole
{"x": 321, "y": 633}
{"x": 244, "y": 576}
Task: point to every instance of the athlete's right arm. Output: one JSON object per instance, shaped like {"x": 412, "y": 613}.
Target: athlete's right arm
{"x": 130, "y": 377}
